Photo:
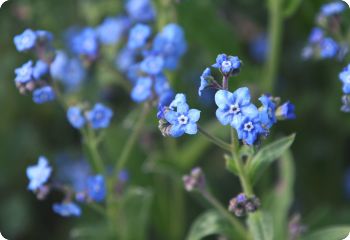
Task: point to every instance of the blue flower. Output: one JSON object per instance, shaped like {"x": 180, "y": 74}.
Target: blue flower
{"x": 140, "y": 10}
{"x": 40, "y": 69}
{"x": 112, "y": 29}
{"x": 76, "y": 117}
{"x": 316, "y": 35}
{"x": 250, "y": 129}
{"x": 85, "y": 43}
{"x": 25, "y": 41}
{"x": 267, "y": 111}
{"x": 233, "y": 107}
{"x": 329, "y": 48}
{"x": 333, "y": 8}
{"x": 142, "y": 89}
{"x": 259, "y": 48}
{"x": 344, "y": 76}
{"x": 183, "y": 120}
{"x": 43, "y": 95}
{"x": 100, "y": 116}
{"x": 123, "y": 176}
{"x": 152, "y": 65}
{"x": 285, "y": 111}
{"x": 138, "y": 36}
{"x": 125, "y": 59}
{"x": 96, "y": 188}
{"x": 38, "y": 174}
{"x": 67, "y": 209}
{"x": 227, "y": 64}
{"x": 24, "y": 73}
{"x": 204, "y": 80}
{"x": 44, "y": 36}
{"x": 180, "y": 99}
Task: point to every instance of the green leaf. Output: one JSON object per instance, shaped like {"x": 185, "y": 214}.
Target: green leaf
{"x": 261, "y": 225}
{"x": 210, "y": 223}
{"x": 266, "y": 156}
{"x": 134, "y": 213}
{"x": 329, "y": 233}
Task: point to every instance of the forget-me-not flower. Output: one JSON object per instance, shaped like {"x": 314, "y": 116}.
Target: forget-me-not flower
{"x": 100, "y": 116}
{"x": 333, "y": 8}
{"x": 227, "y": 64}
{"x": 138, "y": 36}
{"x": 25, "y": 41}
{"x": 40, "y": 69}
{"x": 286, "y": 111}
{"x": 140, "y": 10}
{"x": 24, "y": 73}
{"x": 67, "y": 209}
{"x": 75, "y": 117}
{"x": 267, "y": 111}
{"x": 250, "y": 129}
{"x": 112, "y": 29}
{"x": 344, "y": 77}
{"x": 204, "y": 80}
{"x": 328, "y": 48}
{"x": 96, "y": 188}
{"x": 43, "y": 95}
{"x": 38, "y": 174}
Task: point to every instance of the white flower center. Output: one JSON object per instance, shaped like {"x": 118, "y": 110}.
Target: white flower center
{"x": 248, "y": 127}
{"x": 226, "y": 64}
{"x": 183, "y": 119}
{"x": 234, "y": 109}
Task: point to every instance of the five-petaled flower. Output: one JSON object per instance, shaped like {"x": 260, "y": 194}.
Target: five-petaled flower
{"x": 96, "y": 188}
{"x": 227, "y": 64}
{"x": 25, "y": 41}
{"x": 43, "y": 95}
{"x": 75, "y": 117}
{"x": 38, "y": 174}
{"x": 100, "y": 116}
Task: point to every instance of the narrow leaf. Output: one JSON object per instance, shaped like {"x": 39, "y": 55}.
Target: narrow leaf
{"x": 329, "y": 233}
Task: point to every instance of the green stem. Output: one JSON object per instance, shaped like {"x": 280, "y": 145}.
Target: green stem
{"x": 92, "y": 145}
{"x": 120, "y": 164}
{"x": 275, "y": 34}
{"x": 217, "y": 141}
{"x": 218, "y": 206}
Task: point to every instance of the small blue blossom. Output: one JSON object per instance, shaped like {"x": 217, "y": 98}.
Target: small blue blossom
{"x": 333, "y": 8}
{"x": 75, "y": 117}
{"x": 24, "y": 73}
{"x": 138, "y": 36}
{"x": 85, "y": 43}
{"x": 285, "y": 111}
{"x": 38, "y": 174}
{"x": 233, "y": 107}
{"x": 40, "y": 69}
{"x": 204, "y": 80}
{"x": 96, "y": 188}
{"x": 316, "y": 35}
{"x": 140, "y": 10}
{"x": 25, "y": 41}
{"x": 183, "y": 120}
{"x": 250, "y": 129}
{"x": 344, "y": 76}
{"x": 100, "y": 116}
{"x": 142, "y": 89}
{"x": 227, "y": 64}
{"x": 44, "y": 36}
{"x": 43, "y": 95}
{"x": 152, "y": 65}
{"x": 267, "y": 111}
{"x": 67, "y": 209}
{"x": 125, "y": 59}
{"x": 328, "y": 48}
{"x": 259, "y": 48}
{"x": 112, "y": 29}
{"x": 123, "y": 176}
{"x": 179, "y": 100}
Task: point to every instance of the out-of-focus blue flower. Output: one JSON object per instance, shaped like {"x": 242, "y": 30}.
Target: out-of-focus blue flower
{"x": 125, "y": 59}
{"x": 138, "y": 36}
{"x": 70, "y": 72}
{"x": 250, "y": 129}
{"x": 170, "y": 43}
{"x": 40, "y": 69}
{"x": 24, "y": 73}
{"x": 43, "y": 95}
{"x": 227, "y": 64}
{"x": 44, "y": 36}
{"x": 344, "y": 77}
{"x": 316, "y": 35}
{"x": 100, "y": 116}
{"x": 333, "y": 8}
{"x": 285, "y": 111}
{"x": 96, "y": 188}
{"x": 112, "y": 29}
{"x": 38, "y": 174}
{"x": 204, "y": 80}
{"x": 152, "y": 64}
{"x": 267, "y": 111}
{"x": 328, "y": 48}
{"x": 67, "y": 209}
{"x": 25, "y": 41}
{"x": 142, "y": 89}
{"x": 140, "y": 10}
{"x": 86, "y": 43}
{"x": 75, "y": 117}
{"x": 233, "y": 107}
{"x": 259, "y": 48}
{"x": 123, "y": 176}
{"x": 183, "y": 120}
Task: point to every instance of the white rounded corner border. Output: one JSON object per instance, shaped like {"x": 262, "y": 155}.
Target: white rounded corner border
{"x": 346, "y": 1}
{"x": 1, "y": 3}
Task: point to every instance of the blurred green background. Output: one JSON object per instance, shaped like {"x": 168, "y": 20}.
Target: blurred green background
{"x": 321, "y": 149}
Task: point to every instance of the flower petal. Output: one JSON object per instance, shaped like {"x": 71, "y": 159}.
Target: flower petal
{"x": 242, "y": 95}
{"x": 191, "y": 128}
{"x": 222, "y": 97}
{"x": 171, "y": 117}
{"x": 194, "y": 115}
{"x": 223, "y": 117}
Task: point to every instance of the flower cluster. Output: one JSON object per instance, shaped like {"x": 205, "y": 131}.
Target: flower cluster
{"x": 34, "y": 77}
{"x": 76, "y": 184}
{"x": 321, "y": 42}
{"x": 195, "y": 180}
{"x": 98, "y": 117}
{"x": 241, "y": 205}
